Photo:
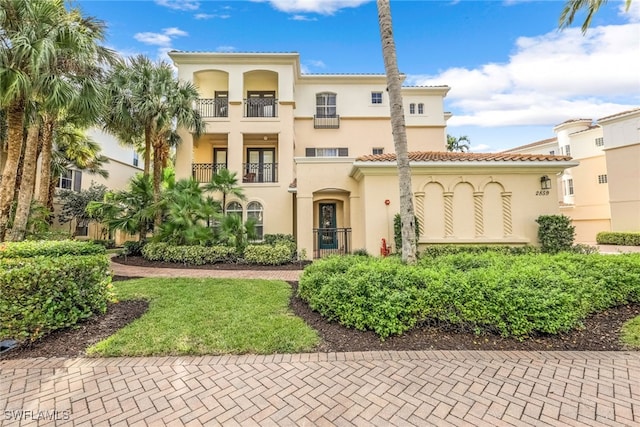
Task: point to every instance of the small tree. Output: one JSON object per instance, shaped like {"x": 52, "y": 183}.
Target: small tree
{"x": 226, "y": 183}
{"x": 555, "y": 233}
{"x": 460, "y": 143}
{"x": 74, "y": 204}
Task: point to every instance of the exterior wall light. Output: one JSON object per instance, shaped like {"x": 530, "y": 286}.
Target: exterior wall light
{"x": 387, "y": 202}
{"x": 545, "y": 183}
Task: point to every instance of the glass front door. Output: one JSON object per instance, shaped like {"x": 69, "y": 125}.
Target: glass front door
{"x": 261, "y": 163}
{"x": 327, "y": 232}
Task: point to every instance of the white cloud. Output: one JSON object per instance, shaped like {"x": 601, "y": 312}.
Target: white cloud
{"x": 160, "y": 39}
{"x": 323, "y": 7}
{"x": 548, "y": 79}
{"x": 225, "y": 49}
{"x": 211, "y": 16}
{"x": 179, "y": 4}
{"x": 302, "y": 18}
{"x": 316, "y": 63}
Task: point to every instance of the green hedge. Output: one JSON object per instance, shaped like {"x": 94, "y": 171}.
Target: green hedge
{"x": 280, "y": 253}
{"x": 41, "y": 294}
{"x": 618, "y": 238}
{"x": 51, "y": 248}
{"x": 483, "y": 292}
{"x": 190, "y": 255}
{"x": 440, "y": 250}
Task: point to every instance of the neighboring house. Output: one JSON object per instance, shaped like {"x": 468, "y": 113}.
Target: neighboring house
{"x": 124, "y": 163}
{"x": 315, "y": 155}
{"x": 603, "y": 192}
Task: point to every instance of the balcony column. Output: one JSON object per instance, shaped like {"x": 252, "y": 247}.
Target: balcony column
{"x": 184, "y": 155}
{"x": 234, "y": 154}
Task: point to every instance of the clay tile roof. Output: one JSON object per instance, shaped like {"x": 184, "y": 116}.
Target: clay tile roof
{"x": 619, "y": 114}
{"x": 446, "y": 156}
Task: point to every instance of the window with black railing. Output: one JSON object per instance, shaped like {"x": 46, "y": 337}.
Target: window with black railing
{"x": 261, "y": 107}
{"x": 213, "y": 107}
{"x": 260, "y": 172}
{"x": 203, "y": 172}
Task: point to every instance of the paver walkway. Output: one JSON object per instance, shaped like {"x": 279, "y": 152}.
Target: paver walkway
{"x": 370, "y": 388}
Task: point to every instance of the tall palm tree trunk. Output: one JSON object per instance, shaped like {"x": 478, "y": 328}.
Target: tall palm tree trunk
{"x": 45, "y": 164}
{"x": 157, "y": 180}
{"x": 399, "y": 130}
{"x": 147, "y": 150}
{"x": 26, "y": 185}
{"x": 15, "y": 136}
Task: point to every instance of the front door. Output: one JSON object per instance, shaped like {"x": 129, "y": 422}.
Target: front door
{"x": 327, "y": 233}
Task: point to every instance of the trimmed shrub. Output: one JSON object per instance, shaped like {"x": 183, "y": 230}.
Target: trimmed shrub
{"x": 482, "y": 292}
{"x": 278, "y": 254}
{"x": 133, "y": 248}
{"x": 41, "y": 294}
{"x": 618, "y": 238}
{"x": 433, "y": 251}
{"x": 555, "y": 233}
{"x": 108, "y": 244}
{"x": 50, "y": 248}
{"x": 189, "y": 255}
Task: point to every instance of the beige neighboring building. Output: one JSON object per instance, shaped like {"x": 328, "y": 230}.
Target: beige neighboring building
{"x": 316, "y": 158}
{"x": 603, "y": 192}
{"x": 124, "y": 163}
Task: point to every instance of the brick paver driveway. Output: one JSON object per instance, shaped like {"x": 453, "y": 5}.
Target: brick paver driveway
{"x": 370, "y": 388}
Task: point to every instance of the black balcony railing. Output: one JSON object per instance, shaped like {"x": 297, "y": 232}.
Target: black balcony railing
{"x": 260, "y": 172}
{"x": 326, "y": 122}
{"x": 213, "y": 107}
{"x": 203, "y": 172}
{"x": 329, "y": 241}
{"x": 261, "y": 107}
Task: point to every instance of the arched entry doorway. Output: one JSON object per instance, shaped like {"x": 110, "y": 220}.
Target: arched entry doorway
{"x": 332, "y": 231}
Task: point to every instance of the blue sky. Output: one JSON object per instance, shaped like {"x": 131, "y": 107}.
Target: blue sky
{"x": 513, "y": 75}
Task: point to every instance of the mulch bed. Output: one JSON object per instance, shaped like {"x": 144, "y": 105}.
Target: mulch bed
{"x": 600, "y": 333}
{"x": 139, "y": 261}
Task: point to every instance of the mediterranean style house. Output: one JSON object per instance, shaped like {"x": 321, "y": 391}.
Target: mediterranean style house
{"x": 315, "y": 156}
{"x": 603, "y": 192}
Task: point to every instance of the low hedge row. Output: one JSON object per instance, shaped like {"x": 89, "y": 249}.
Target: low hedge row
{"x": 487, "y": 292}
{"x": 190, "y": 255}
{"x": 40, "y": 294}
{"x": 277, "y": 254}
{"x": 51, "y": 248}
{"x": 433, "y": 251}
{"x": 618, "y": 238}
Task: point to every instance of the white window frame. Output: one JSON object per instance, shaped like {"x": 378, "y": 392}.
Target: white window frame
{"x": 328, "y": 109}
{"x": 421, "y": 108}
{"x": 379, "y": 150}
{"x": 412, "y": 108}
{"x": 376, "y": 98}
{"x": 258, "y": 215}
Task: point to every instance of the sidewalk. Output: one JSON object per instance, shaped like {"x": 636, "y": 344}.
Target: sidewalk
{"x": 414, "y": 388}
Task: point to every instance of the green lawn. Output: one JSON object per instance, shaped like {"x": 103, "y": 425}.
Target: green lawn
{"x": 208, "y": 316}
{"x": 631, "y": 333}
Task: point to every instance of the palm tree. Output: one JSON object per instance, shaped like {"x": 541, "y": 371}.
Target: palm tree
{"x": 572, "y": 7}
{"x": 460, "y": 143}
{"x": 27, "y": 53}
{"x": 148, "y": 100}
{"x": 394, "y": 86}
{"x": 226, "y": 183}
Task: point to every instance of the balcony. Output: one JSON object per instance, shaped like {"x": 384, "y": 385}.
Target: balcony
{"x": 331, "y": 241}
{"x": 326, "y": 122}
{"x": 203, "y": 172}
{"x": 260, "y": 172}
{"x": 213, "y": 107}
{"x": 260, "y": 107}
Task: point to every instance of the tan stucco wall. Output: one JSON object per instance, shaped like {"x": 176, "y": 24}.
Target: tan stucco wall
{"x": 623, "y": 172}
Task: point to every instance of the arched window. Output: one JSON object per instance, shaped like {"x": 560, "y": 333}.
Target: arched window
{"x": 234, "y": 208}
{"x": 326, "y": 104}
{"x": 254, "y": 211}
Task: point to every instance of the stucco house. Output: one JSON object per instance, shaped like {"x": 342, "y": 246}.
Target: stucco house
{"x": 316, "y": 156}
{"x": 603, "y": 192}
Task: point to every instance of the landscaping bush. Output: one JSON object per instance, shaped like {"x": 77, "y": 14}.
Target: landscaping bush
{"x": 433, "y": 251}
{"x": 50, "y": 248}
{"x": 189, "y": 255}
{"x": 483, "y": 292}
{"x": 133, "y": 248}
{"x": 40, "y": 294}
{"x": 618, "y": 238}
{"x": 555, "y": 233}
{"x": 108, "y": 243}
{"x": 277, "y": 254}
{"x": 285, "y": 239}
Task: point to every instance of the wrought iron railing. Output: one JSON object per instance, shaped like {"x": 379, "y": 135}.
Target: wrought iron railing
{"x": 260, "y": 172}
{"x": 326, "y": 122}
{"x": 203, "y": 172}
{"x": 329, "y": 241}
{"x": 213, "y": 107}
{"x": 261, "y": 107}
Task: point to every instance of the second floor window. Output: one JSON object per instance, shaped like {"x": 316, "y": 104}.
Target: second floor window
{"x": 326, "y": 104}
{"x": 602, "y": 179}
{"x": 136, "y": 159}
{"x": 376, "y": 97}
{"x": 567, "y": 150}
{"x": 420, "y": 108}
{"x": 70, "y": 180}
{"x": 378, "y": 151}
{"x": 599, "y": 142}
{"x": 412, "y": 108}
{"x": 568, "y": 187}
